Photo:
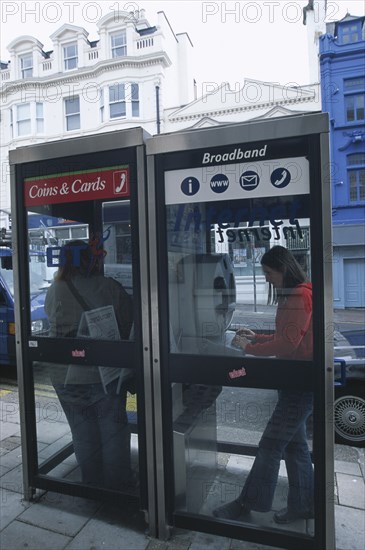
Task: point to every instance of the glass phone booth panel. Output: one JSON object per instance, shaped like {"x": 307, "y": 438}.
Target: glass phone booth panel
{"x": 244, "y": 283}
{"x": 78, "y": 278}
{"x": 89, "y": 408}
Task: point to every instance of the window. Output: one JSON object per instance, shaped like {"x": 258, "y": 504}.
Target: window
{"x": 39, "y": 118}
{"x": 350, "y": 33}
{"x": 26, "y": 119}
{"x": 357, "y": 83}
{"x": 72, "y": 112}
{"x": 119, "y": 44}
{"x": 24, "y": 124}
{"x": 70, "y": 56}
{"x": 117, "y": 104}
{"x": 355, "y": 107}
{"x": 135, "y": 99}
{"x": 26, "y": 66}
{"x": 356, "y": 176}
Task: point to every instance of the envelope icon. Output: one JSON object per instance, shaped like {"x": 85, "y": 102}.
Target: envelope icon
{"x": 249, "y": 180}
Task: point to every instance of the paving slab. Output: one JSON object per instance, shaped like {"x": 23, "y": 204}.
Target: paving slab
{"x": 11, "y": 459}
{"x": 343, "y": 467}
{"x": 350, "y": 529}
{"x": 13, "y": 480}
{"x": 11, "y": 506}
{"x": 19, "y": 535}
{"x": 112, "y": 529}
{"x": 351, "y": 491}
{"x": 63, "y": 514}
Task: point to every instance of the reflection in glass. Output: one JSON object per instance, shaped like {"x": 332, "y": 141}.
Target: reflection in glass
{"x": 217, "y": 433}
{"x": 88, "y": 452}
{"x": 79, "y": 297}
{"x": 207, "y": 306}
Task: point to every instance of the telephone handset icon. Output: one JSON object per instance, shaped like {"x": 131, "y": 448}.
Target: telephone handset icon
{"x": 119, "y": 188}
{"x": 280, "y": 177}
{"x": 281, "y": 180}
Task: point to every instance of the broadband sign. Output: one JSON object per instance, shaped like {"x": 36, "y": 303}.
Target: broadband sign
{"x": 246, "y": 180}
{"x": 86, "y": 185}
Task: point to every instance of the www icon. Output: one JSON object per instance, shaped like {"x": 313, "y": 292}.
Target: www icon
{"x": 219, "y": 183}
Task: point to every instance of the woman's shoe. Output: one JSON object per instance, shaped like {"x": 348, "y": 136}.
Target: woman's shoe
{"x": 231, "y": 510}
{"x": 285, "y": 516}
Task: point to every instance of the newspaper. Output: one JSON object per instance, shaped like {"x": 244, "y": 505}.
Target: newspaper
{"x": 101, "y": 324}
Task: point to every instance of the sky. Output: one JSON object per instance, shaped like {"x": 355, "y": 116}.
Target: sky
{"x": 233, "y": 41}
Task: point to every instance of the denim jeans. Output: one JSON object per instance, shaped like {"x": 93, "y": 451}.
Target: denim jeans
{"x": 284, "y": 437}
{"x": 100, "y": 432}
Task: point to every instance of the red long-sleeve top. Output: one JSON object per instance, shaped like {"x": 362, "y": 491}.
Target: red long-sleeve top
{"x": 293, "y": 337}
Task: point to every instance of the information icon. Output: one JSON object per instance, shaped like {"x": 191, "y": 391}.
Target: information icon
{"x": 190, "y": 186}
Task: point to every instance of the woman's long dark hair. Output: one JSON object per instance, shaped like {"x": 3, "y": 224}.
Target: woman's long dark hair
{"x": 280, "y": 259}
{"x": 76, "y": 259}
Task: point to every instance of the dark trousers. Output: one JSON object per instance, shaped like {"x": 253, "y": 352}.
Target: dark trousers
{"x": 285, "y": 437}
{"x": 100, "y": 432}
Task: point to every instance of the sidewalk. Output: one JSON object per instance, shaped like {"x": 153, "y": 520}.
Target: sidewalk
{"x": 58, "y": 521}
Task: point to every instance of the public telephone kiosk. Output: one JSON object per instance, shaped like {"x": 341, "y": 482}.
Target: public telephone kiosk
{"x": 222, "y": 199}
{"x": 152, "y": 368}
{"x": 83, "y": 372}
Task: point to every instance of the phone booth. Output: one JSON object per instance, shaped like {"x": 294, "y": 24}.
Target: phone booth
{"x": 83, "y": 372}
{"x": 241, "y": 383}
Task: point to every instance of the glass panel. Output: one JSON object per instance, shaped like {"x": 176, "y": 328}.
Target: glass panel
{"x": 70, "y": 56}
{"x": 117, "y": 100}
{"x": 360, "y": 107}
{"x": 88, "y": 432}
{"x": 355, "y": 158}
{"x": 221, "y": 258}
{"x": 119, "y": 46}
{"x": 362, "y": 184}
{"x": 257, "y": 424}
{"x": 135, "y": 99}
{"x": 26, "y": 65}
{"x": 81, "y": 279}
{"x": 353, "y": 83}
{"x": 353, "y": 185}
{"x": 350, "y": 109}
{"x": 72, "y": 105}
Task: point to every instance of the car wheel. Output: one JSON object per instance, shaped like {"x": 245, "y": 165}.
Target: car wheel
{"x": 349, "y": 415}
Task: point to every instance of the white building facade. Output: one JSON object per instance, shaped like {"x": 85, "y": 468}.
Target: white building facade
{"x": 135, "y": 74}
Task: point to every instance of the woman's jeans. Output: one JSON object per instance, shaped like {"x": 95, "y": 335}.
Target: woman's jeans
{"x": 284, "y": 437}
{"x": 100, "y": 432}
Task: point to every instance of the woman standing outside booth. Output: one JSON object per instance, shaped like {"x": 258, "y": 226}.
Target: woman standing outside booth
{"x": 285, "y": 434}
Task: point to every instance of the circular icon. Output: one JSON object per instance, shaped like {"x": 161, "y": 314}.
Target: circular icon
{"x": 249, "y": 180}
{"x": 219, "y": 183}
{"x": 280, "y": 177}
{"x": 190, "y": 186}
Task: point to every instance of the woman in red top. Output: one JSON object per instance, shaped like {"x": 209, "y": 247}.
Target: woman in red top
{"x": 285, "y": 435}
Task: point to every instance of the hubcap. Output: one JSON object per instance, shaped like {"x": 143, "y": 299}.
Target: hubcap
{"x": 350, "y": 418}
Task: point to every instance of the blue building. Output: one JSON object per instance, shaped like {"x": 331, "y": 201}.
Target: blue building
{"x": 342, "y": 68}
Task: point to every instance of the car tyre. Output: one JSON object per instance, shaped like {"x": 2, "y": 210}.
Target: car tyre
{"x": 349, "y": 415}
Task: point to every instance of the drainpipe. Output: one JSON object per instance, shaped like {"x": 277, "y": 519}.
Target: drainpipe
{"x": 158, "y": 119}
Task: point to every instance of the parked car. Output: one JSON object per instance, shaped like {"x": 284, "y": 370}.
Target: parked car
{"x": 349, "y": 406}
{"x": 7, "y": 321}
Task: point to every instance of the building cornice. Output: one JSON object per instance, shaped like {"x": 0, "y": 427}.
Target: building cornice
{"x": 134, "y": 62}
{"x": 241, "y": 109}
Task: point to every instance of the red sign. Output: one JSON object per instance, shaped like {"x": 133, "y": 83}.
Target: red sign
{"x": 104, "y": 183}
